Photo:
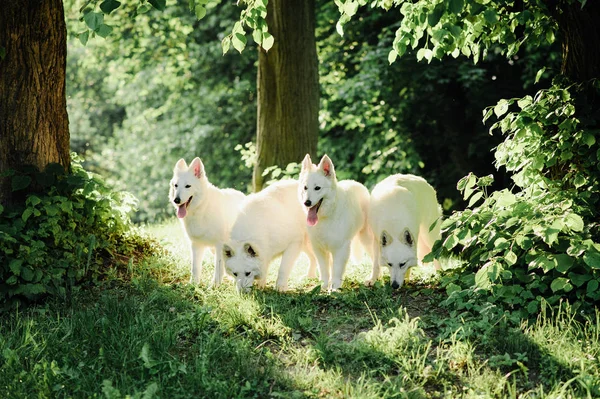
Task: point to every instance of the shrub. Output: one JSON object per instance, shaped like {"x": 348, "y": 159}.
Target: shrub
{"x": 539, "y": 241}
{"x": 67, "y": 229}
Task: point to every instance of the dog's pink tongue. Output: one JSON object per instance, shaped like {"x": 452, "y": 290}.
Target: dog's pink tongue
{"x": 312, "y": 217}
{"x": 182, "y": 211}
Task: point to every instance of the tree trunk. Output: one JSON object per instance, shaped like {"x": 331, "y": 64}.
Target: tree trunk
{"x": 34, "y": 127}
{"x": 581, "y": 40}
{"x": 288, "y": 88}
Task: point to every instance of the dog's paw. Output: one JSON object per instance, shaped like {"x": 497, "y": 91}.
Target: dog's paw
{"x": 370, "y": 282}
{"x": 282, "y": 288}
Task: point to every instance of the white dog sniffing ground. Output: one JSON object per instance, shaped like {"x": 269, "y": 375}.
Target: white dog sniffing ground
{"x": 205, "y": 211}
{"x": 270, "y": 223}
{"x": 401, "y": 210}
{"x": 335, "y": 213}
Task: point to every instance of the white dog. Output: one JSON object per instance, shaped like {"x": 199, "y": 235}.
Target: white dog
{"x": 401, "y": 211}
{"x": 205, "y": 211}
{"x": 270, "y": 223}
{"x": 335, "y": 213}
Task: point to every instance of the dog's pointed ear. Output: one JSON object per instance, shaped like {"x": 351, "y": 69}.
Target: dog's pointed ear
{"x": 198, "y": 167}
{"x": 327, "y": 166}
{"x": 250, "y": 251}
{"x": 386, "y": 239}
{"x": 227, "y": 251}
{"x": 181, "y": 165}
{"x": 306, "y": 162}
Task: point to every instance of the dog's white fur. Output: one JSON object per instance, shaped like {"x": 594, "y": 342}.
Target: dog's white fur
{"x": 336, "y": 212}
{"x": 205, "y": 211}
{"x": 401, "y": 210}
{"x": 270, "y": 223}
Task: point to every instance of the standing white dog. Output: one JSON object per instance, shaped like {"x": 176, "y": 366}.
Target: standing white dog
{"x": 401, "y": 210}
{"x": 335, "y": 213}
{"x": 270, "y": 223}
{"x": 205, "y": 211}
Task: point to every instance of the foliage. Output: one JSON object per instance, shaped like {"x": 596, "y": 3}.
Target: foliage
{"x": 161, "y": 91}
{"x": 467, "y": 27}
{"x": 65, "y": 232}
{"x": 541, "y": 242}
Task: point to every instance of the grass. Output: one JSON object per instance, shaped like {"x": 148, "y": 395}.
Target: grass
{"x": 148, "y": 333}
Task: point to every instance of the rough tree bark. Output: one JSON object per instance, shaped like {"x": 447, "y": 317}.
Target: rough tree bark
{"x": 580, "y": 40}
{"x": 288, "y": 88}
{"x": 34, "y": 127}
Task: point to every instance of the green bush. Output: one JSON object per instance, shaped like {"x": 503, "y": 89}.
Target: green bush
{"x": 540, "y": 241}
{"x": 69, "y": 227}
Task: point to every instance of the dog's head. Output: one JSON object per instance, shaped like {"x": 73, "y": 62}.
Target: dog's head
{"x": 316, "y": 184}
{"x": 243, "y": 263}
{"x": 187, "y": 185}
{"x": 399, "y": 253}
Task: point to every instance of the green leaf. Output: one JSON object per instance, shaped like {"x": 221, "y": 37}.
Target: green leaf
{"x": 539, "y": 74}
{"x": 27, "y": 274}
{"x": 579, "y": 279}
{"x": 104, "y": 30}
{"x": 476, "y": 197}
{"x": 109, "y": 6}
{"x": 592, "y": 286}
{"x": 456, "y": 6}
{"x": 450, "y": 241}
{"x": 225, "y": 44}
{"x": 532, "y": 307}
{"x": 15, "y": 266}
{"x": 592, "y": 258}
{"x": 33, "y": 200}
{"x": 350, "y": 8}
{"x": 434, "y": 17}
{"x": 93, "y": 20}
{"x": 510, "y": 258}
{"x": 268, "y": 41}
{"x": 2, "y": 53}
{"x": 20, "y": 182}
{"x": 561, "y": 283}
{"x": 564, "y": 262}
{"x": 501, "y": 108}
{"x": 574, "y": 222}
{"x": 84, "y": 36}
{"x": 392, "y": 56}
{"x": 490, "y": 16}
{"x": 482, "y": 277}
{"x": 239, "y": 41}
{"x": 200, "y": 12}
{"x": 158, "y": 4}
{"x": 144, "y": 8}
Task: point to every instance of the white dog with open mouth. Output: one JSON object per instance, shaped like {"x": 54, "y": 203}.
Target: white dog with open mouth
{"x": 401, "y": 211}
{"x": 335, "y": 213}
{"x": 205, "y": 211}
{"x": 270, "y": 224}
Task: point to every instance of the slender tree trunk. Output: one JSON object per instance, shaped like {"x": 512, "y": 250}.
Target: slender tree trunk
{"x": 288, "y": 88}
{"x": 34, "y": 127}
{"x": 581, "y": 40}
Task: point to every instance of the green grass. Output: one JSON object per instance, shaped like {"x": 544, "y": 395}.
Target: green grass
{"x": 148, "y": 333}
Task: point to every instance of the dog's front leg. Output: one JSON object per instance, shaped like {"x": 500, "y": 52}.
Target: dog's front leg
{"x": 340, "y": 258}
{"x": 197, "y": 258}
{"x": 376, "y": 272}
{"x": 287, "y": 263}
{"x": 323, "y": 260}
{"x": 219, "y": 266}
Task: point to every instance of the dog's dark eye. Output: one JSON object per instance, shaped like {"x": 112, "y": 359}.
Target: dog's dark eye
{"x": 317, "y": 188}
{"x": 247, "y": 274}
{"x": 389, "y": 264}
{"x": 187, "y": 186}
{"x": 305, "y": 188}
{"x": 175, "y": 185}
{"x": 235, "y": 274}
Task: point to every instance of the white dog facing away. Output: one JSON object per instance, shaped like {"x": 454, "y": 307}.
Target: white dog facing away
{"x": 402, "y": 209}
{"x": 335, "y": 213}
{"x": 270, "y": 223}
{"x": 205, "y": 211}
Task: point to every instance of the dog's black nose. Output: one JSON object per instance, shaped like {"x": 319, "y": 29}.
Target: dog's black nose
{"x": 395, "y": 285}
{"x": 307, "y": 203}
{"x": 177, "y": 200}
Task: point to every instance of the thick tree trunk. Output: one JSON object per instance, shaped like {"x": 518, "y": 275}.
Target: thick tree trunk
{"x": 288, "y": 88}
{"x": 581, "y": 40}
{"x": 34, "y": 127}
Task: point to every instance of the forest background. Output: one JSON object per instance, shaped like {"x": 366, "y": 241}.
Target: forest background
{"x": 159, "y": 88}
